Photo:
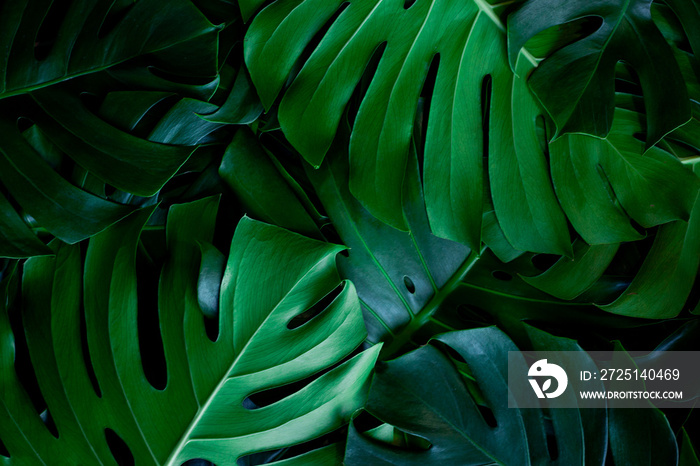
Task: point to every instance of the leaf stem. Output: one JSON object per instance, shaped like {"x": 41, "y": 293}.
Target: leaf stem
{"x": 691, "y": 160}
{"x": 404, "y": 336}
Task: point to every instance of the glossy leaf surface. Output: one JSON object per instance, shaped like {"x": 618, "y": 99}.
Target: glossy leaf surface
{"x": 200, "y": 413}
{"x": 576, "y": 83}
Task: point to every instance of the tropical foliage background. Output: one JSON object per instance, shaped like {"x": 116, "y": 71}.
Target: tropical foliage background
{"x": 309, "y": 231}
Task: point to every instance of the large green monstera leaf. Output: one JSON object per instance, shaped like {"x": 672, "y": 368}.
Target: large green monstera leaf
{"x": 479, "y": 109}
{"x": 461, "y": 415}
{"x": 453, "y": 421}
{"x": 413, "y": 284}
{"x": 72, "y": 165}
{"x": 58, "y": 169}
{"x": 485, "y": 139}
{"x": 111, "y": 110}
{"x": 201, "y": 411}
{"x": 606, "y": 186}
{"x": 576, "y": 83}
{"x": 46, "y": 42}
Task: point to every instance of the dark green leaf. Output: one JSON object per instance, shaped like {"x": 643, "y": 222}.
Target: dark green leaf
{"x": 478, "y": 109}
{"x": 122, "y": 160}
{"x": 576, "y": 83}
{"x": 668, "y": 273}
{"x": 271, "y": 276}
{"x": 602, "y": 183}
{"x": 262, "y": 188}
{"x": 648, "y": 431}
{"x": 16, "y": 239}
{"x": 568, "y": 278}
{"x": 242, "y": 105}
{"x": 82, "y": 42}
{"x": 397, "y": 274}
{"x": 65, "y": 210}
{"x": 440, "y": 410}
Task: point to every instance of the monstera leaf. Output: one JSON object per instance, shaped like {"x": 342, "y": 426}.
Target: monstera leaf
{"x": 71, "y": 162}
{"x": 99, "y": 396}
{"x": 576, "y": 82}
{"x": 118, "y": 97}
{"x": 447, "y": 415}
{"x": 47, "y": 42}
{"x": 69, "y": 212}
{"x": 413, "y": 284}
{"x": 478, "y": 110}
{"x": 461, "y": 410}
{"x": 35, "y": 163}
{"x": 466, "y": 115}
{"x": 606, "y": 184}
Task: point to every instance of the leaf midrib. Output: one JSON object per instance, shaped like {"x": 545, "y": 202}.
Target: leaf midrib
{"x": 450, "y": 424}
{"x": 201, "y": 410}
{"x": 67, "y": 76}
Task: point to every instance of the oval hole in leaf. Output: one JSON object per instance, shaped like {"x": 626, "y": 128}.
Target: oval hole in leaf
{"x": 3, "y": 450}
{"x": 408, "y": 283}
{"x": 86, "y": 353}
{"x": 120, "y": 450}
{"x": 501, "y": 275}
{"x": 316, "y": 309}
{"x": 49, "y": 423}
{"x": 150, "y": 339}
{"x": 544, "y": 261}
{"x": 488, "y": 416}
{"x": 271, "y": 396}
{"x": 408, "y": 4}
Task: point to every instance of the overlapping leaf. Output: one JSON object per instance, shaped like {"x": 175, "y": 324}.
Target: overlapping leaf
{"x": 457, "y": 396}
{"x": 478, "y": 110}
{"x": 576, "y": 83}
{"x": 413, "y": 284}
{"x": 271, "y": 277}
{"x": 445, "y": 413}
{"x": 64, "y": 168}
{"x": 47, "y": 42}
